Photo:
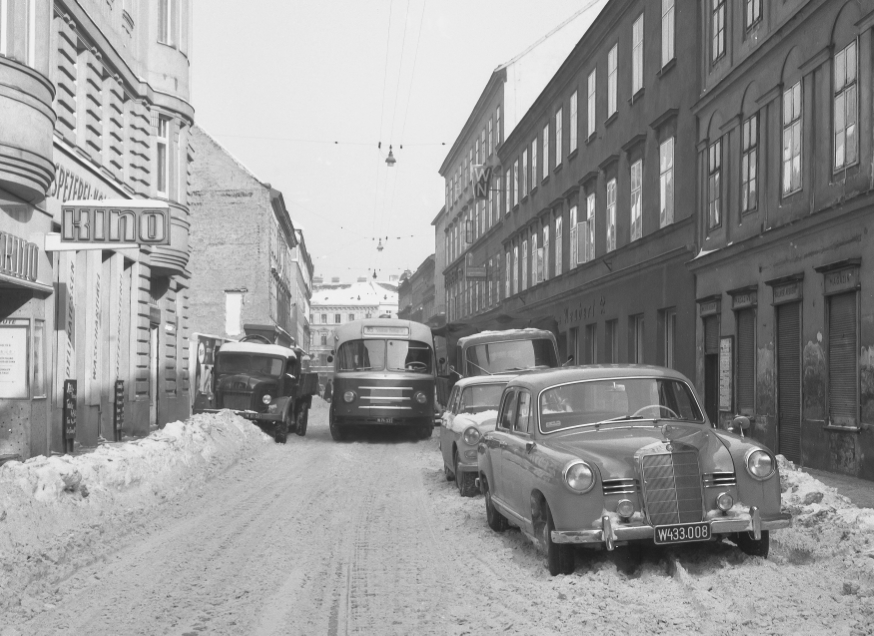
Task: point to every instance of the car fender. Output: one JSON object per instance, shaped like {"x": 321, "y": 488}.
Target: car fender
{"x": 484, "y": 463}
{"x": 765, "y": 494}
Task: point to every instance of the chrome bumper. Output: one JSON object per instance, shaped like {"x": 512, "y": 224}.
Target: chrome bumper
{"x": 754, "y": 522}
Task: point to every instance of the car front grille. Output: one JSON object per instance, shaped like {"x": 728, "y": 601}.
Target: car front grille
{"x": 619, "y": 486}
{"x": 672, "y": 487}
{"x": 237, "y": 401}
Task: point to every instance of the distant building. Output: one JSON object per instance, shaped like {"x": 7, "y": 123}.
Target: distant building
{"x": 416, "y": 293}
{"x": 437, "y": 316}
{"x": 301, "y": 289}
{"x": 244, "y": 279}
{"x": 337, "y": 303}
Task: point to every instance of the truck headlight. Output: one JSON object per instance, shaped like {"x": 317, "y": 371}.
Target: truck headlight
{"x": 471, "y": 436}
{"x": 349, "y": 396}
{"x": 760, "y": 464}
{"x": 421, "y": 398}
{"x": 579, "y": 477}
{"x": 267, "y": 399}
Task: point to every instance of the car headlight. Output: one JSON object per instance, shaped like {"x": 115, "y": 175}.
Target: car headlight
{"x": 760, "y": 464}
{"x": 267, "y": 399}
{"x": 579, "y": 477}
{"x": 471, "y": 436}
{"x": 421, "y": 398}
{"x": 349, "y": 396}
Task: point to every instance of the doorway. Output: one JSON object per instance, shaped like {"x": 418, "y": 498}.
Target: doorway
{"x": 789, "y": 381}
{"x": 153, "y": 376}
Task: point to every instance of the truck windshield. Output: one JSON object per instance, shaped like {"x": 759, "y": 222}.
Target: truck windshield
{"x": 494, "y": 357}
{"x": 233, "y": 363}
{"x": 481, "y": 397}
{"x": 622, "y": 399}
{"x": 379, "y": 355}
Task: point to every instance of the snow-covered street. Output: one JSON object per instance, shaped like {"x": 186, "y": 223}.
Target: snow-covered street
{"x": 367, "y": 537}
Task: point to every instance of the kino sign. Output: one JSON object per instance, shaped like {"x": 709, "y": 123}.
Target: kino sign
{"x": 113, "y": 222}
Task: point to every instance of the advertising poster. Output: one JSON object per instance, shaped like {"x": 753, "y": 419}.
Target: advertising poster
{"x": 725, "y": 373}
{"x": 14, "y": 366}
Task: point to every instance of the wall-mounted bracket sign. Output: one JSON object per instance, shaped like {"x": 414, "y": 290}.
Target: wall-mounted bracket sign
{"x": 115, "y": 223}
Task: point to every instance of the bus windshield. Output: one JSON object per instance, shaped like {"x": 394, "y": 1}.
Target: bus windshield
{"x": 379, "y": 355}
{"x": 495, "y": 357}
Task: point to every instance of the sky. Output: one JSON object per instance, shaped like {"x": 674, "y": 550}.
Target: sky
{"x": 304, "y": 93}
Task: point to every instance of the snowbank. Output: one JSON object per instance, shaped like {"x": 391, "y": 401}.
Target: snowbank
{"x": 53, "y": 509}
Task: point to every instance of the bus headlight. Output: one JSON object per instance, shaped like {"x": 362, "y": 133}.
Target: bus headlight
{"x": 349, "y": 396}
{"x": 579, "y": 477}
{"x": 421, "y": 398}
{"x": 471, "y": 436}
{"x": 267, "y": 399}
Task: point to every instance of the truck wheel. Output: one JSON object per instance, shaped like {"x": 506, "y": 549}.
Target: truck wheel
{"x": 337, "y": 434}
{"x": 495, "y": 519}
{"x": 748, "y": 545}
{"x": 426, "y": 430}
{"x": 559, "y": 556}
{"x": 280, "y": 433}
{"x": 302, "y": 420}
{"x": 464, "y": 481}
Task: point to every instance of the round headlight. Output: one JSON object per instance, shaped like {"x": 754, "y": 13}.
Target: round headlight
{"x": 579, "y": 477}
{"x": 421, "y": 398}
{"x": 625, "y": 509}
{"x": 760, "y": 464}
{"x": 471, "y": 436}
{"x": 267, "y": 399}
{"x": 349, "y": 396}
{"x": 724, "y": 501}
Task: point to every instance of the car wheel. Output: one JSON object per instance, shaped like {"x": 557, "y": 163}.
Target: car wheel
{"x": 465, "y": 481}
{"x": 747, "y": 544}
{"x": 448, "y": 473}
{"x": 280, "y": 433}
{"x": 495, "y": 519}
{"x": 337, "y": 434}
{"x": 302, "y": 420}
{"x": 559, "y": 556}
{"x": 426, "y": 430}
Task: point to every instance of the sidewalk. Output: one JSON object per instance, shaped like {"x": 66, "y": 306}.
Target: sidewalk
{"x": 860, "y": 491}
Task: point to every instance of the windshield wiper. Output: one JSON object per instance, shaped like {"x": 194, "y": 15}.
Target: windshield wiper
{"x": 486, "y": 371}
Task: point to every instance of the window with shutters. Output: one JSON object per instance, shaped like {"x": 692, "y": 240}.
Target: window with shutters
{"x": 745, "y": 373}
{"x": 636, "y": 338}
{"x": 589, "y": 347}
{"x": 611, "y": 341}
{"x": 843, "y": 398}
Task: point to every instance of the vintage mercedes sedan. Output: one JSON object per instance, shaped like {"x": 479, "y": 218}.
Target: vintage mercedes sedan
{"x": 608, "y": 455}
{"x": 471, "y": 411}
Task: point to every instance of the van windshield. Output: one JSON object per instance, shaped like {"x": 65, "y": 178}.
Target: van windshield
{"x": 379, "y": 355}
{"x": 495, "y": 357}
{"x": 233, "y": 363}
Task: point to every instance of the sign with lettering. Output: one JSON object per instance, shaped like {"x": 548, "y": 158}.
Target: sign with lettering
{"x": 14, "y": 336}
{"x": 709, "y": 307}
{"x": 69, "y": 413}
{"x": 115, "y": 221}
{"x": 725, "y": 371}
{"x": 118, "y": 415}
{"x": 475, "y": 272}
{"x": 68, "y": 185}
{"x": 787, "y": 293}
{"x": 742, "y": 300}
{"x": 18, "y": 258}
{"x": 841, "y": 280}
{"x": 588, "y": 310}
{"x": 482, "y": 176}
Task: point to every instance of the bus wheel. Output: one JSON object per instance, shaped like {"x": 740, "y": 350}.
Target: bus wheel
{"x": 280, "y": 433}
{"x": 426, "y": 430}
{"x": 337, "y": 434}
{"x": 302, "y": 420}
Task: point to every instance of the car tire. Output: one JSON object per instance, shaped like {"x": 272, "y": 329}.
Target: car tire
{"x": 302, "y": 420}
{"x": 748, "y": 545}
{"x": 448, "y": 473}
{"x": 426, "y": 431}
{"x": 337, "y": 434}
{"x": 280, "y": 433}
{"x": 466, "y": 482}
{"x": 559, "y": 556}
{"x": 495, "y": 519}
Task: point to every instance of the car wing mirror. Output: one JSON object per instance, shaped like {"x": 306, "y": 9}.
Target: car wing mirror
{"x": 739, "y": 424}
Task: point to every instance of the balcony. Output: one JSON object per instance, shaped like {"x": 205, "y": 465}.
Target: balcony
{"x": 26, "y": 96}
{"x": 170, "y": 260}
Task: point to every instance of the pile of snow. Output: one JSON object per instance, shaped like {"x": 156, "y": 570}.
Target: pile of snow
{"x": 485, "y": 420}
{"x": 52, "y": 509}
{"x": 824, "y": 522}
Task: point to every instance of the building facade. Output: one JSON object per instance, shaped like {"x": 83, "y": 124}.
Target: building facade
{"x": 583, "y": 230}
{"x": 416, "y": 293}
{"x": 100, "y": 111}
{"x": 337, "y": 303}
{"x": 301, "y": 289}
{"x": 783, "y": 275}
{"x": 437, "y": 316}
{"x": 244, "y": 276}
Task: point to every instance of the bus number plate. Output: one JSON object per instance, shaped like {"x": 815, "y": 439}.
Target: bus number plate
{"x": 384, "y": 420}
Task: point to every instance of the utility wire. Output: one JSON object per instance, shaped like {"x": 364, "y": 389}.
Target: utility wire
{"x": 413, "y": 76}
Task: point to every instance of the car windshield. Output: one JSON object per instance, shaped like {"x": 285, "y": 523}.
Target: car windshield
{"x": 481, "y": 397}
{"x": 379, "y": 355}
{"x": 233, "y": 363}
{"x": 495, "y": 357}
{"x": 621, "y": 399}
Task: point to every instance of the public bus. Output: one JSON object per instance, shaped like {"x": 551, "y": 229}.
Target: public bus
{"x": 384, "y": 375}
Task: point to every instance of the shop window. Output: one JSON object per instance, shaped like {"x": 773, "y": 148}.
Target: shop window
{"x": 669, "y": 320}
{"x": 842, "y": 360}
{"x": 611, "y": 342}
{"x": 745, "y": 380}
{"x": 589, "y": 345}
{"x": 636, "y": 333}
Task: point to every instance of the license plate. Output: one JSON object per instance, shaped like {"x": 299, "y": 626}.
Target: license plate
{"x": 682, "y": 533}
{"x": 384, "y": 420}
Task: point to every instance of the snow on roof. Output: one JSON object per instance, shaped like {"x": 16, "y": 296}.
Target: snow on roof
{"x": 369, "y": 293}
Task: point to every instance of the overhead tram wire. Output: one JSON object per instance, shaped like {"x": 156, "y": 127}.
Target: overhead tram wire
{"x": 381, "y": 117}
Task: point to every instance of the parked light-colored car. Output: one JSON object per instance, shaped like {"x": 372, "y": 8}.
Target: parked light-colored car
{"x": 605, "y": 455}
{"x": 471, "y": 411}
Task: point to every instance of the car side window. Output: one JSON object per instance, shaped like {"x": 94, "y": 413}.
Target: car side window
{"x": 453, "y": 399}
{"x": 508, "y": 411}
{"x": 523, "y": 417}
